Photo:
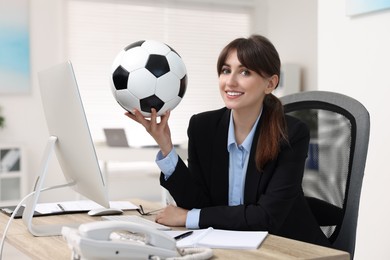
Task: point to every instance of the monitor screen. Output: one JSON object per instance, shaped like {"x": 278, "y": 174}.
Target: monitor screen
{"x": 66, "y": 120}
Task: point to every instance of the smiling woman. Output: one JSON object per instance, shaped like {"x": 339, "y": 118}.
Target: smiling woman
{"x": 245, "y": 160}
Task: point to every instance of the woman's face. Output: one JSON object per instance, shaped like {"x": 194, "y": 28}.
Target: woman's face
{"x": 243, "y": 89}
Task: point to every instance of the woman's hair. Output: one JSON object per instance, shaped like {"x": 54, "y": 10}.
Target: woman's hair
{"x": 257, "y": 53}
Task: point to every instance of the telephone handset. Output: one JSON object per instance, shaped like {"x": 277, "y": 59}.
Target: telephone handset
{"x": 102, "y": 230}
{"x": 93, "y": 241}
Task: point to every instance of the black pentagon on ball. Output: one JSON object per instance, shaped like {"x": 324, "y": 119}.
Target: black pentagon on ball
{"x": 183, "y": 86}
{"x": 134, "y": 44}
{"x": 120, "y": 78}
{"x": 151, "y": 102}
{"x": 157, "y": 65}
{"x": 173, "y": 50}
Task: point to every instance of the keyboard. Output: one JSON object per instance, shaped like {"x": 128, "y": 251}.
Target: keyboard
{"x": 138, "y": 220}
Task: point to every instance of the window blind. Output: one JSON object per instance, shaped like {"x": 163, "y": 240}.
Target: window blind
{"x": 96, "y": 30}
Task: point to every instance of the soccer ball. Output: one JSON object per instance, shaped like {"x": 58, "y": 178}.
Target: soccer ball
{"x": 148, "y": 74}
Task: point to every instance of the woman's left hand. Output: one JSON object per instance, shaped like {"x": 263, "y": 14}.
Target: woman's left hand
{"x": 158, "y": 130}
{"x": 172, "y": 216}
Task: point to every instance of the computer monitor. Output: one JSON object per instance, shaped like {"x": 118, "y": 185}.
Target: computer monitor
{"x": 71, "y": 140}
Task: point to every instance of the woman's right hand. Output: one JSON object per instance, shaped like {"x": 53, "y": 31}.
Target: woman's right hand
{"x": 172, "y": 216}
{"x": 158, "y": 130}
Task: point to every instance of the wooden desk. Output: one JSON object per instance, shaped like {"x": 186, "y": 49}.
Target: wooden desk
{"x": 273, "y": 247}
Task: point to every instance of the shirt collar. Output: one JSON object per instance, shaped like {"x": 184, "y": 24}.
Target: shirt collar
{"x": 248, "y": 140}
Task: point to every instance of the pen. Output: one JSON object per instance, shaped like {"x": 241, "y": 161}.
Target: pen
{"x": 181, "y": 236}
{"x": 61, "y": 207}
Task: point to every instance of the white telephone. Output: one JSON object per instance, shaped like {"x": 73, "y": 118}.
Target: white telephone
{"x": 94, "y": 241}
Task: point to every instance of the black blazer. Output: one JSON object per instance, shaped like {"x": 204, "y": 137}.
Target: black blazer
{"x": 273, "y": 199}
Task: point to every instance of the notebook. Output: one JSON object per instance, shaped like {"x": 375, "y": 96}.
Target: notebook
{"x": 66, "y": 207}
{"x": 218, "y": 238}
{"x": 116, "y": 137}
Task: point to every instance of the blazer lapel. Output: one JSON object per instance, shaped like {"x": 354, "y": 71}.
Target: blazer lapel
{"x": 220, "y": 162}
{"x": 253, "y": 176}
{"x": 220, "y": 166}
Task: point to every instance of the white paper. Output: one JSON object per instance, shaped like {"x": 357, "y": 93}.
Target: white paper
{"x": 79, "y": 205}
{"x": 218, "y": 238}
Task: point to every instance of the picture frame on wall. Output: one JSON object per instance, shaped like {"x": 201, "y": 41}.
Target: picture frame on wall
{"x": 14, "y": 47}
{"x": 358, "y": 7}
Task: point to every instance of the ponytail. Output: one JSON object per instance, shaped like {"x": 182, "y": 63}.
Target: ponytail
{"x": 272, "y": 132}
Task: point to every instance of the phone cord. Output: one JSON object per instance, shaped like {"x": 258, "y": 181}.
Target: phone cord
{"x": 196, "y": 253}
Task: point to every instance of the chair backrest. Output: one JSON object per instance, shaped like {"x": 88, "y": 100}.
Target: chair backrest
{"x": 339, "y": 128}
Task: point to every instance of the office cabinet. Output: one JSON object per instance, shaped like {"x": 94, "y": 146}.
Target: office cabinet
{"x": 12, "y": 177}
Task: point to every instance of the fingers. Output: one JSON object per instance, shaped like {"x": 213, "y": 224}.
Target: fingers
{"x": 130, "y": 115}
{"x": 172, "y": 216}
{"x": 160, "y": 216}
{"x": 165, "y": 117}
{"x": 157, "y": 128}
{"x": 141, "y": 119}
{"x": 133, "y": 115}
{"x": 153, "y": 119}
{"x": 138, "y": 117}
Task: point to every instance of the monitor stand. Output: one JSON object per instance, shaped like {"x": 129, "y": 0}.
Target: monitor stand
{"x": 28, "y": 213}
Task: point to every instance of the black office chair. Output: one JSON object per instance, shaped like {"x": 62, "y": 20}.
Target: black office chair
{"x": 339, "y": 133}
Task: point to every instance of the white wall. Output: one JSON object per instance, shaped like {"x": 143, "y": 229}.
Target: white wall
{"x": 353, "y": 59}
{"x": 292, "y": 27}
{"x": 25, "y": 121}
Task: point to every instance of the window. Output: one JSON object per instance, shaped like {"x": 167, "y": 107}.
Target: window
{"x": 96, "y": 30}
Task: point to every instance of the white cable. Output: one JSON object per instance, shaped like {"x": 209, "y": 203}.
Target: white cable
{"x": 9, "y": 222}
{"x": 16, "y": 211}
{"x": 196, "y": 253}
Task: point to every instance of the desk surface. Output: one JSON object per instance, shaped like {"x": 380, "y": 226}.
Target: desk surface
{"x": 273, "y": 247}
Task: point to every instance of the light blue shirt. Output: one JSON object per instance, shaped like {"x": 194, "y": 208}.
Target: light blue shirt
{"x": 238, "y": 164}
{"x": 167, "y": 165}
